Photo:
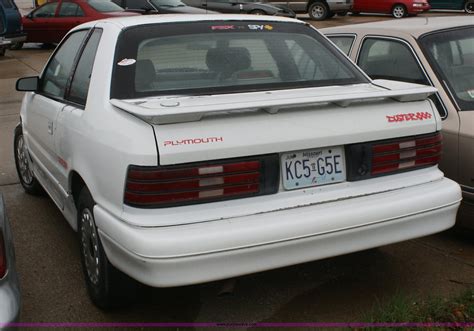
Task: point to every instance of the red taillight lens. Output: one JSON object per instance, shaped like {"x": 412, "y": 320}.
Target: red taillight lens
{"x": 3, "y": 256}
{"x": 178, "y": 185}
{"x": 406, "y": 153}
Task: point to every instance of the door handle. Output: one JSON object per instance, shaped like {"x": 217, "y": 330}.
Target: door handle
{"x": 50, "y": 127}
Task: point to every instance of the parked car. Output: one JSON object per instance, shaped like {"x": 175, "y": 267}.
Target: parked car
{"x": 257, "y": 7}
{"x": 466, "y": 5}
{"x": 317, "y": 9}
{"x": 397, "y": 8}
{"x": 50, "y": 22}
{"x": 13, "y": 34}
{"x": 159, "y": 6}
{"x": 10, "y": 299}
{"x": 191, "y": 148}
{"x": 4, "y": 44}
{"x": 436, "y": 51}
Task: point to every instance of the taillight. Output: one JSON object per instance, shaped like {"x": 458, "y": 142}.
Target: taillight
{"x": 391, "y": 156}
{"x": 166, "y": 186}
{"x": 3, "y": 256}
{"x": 414, "y": 152}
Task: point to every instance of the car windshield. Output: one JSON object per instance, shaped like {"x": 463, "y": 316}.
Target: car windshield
{"x": 104, "y": 6}
{"x": 225, "y": 57}
{"x": 451, "y": 54}
{"x": 167, "y": 3}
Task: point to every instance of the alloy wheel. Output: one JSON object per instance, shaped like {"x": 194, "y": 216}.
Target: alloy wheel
{"x": 398, "y": 12}
{"x": 318, "y": 11}
{"x": 23, "y": 162}
{"x": 90, "y": 246}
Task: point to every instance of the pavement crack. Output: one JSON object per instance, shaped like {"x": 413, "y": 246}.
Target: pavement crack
{"x": 26, "y": 64}
{"x": 10, "y": 184}
{"x": 434, "y": 248}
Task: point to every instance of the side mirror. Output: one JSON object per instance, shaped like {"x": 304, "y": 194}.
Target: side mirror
{"x": 28, "y": 84}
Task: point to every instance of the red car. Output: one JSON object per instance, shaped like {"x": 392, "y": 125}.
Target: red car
{"x": 398, "y": 8}
{"x": 50, "y": 22}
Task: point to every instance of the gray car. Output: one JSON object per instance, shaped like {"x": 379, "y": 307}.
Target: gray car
{"x": 9, "y": 285}
{"x": 257, "y": 7}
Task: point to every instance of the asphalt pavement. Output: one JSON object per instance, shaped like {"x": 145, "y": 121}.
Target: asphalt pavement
{"x": 339, "y": 289}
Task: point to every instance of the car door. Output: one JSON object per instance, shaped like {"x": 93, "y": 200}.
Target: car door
{"x": 44, "y": 107}
{"x": 222, "y": 6}
{"x": 69, "y": 15}
{"x": 362, "y": 6}
{"x": 40, "y": 24}
{"x": 70, "y": 117}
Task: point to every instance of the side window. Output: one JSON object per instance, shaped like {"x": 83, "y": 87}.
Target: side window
{"x": 47, "y": 10}
{"x": 343, "y": 42}
{"x": 6, "y": 4}
{"x": 82, "y": 74}
{"x": 138, "y": 4}
{"x": 70, "y": 9}
{"x": 56, "y": 74}
{"x": 390, "y": 59}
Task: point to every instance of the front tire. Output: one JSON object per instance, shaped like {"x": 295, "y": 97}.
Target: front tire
{"x": 399, "y": 11}
{"x": 23, "y": 166}
{"x": 258, "y": 12}
{"x": 318, "y": 11}
{"x": 469, "y": 7}
{"x": 107, "y": 286}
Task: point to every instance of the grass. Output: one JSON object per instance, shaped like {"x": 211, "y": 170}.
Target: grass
{"x": 404, "y": 309}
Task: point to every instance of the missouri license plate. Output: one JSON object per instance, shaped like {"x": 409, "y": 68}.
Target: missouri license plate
{"x": 313, "y": 167}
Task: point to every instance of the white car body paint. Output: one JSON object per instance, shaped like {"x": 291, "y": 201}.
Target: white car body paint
{"x": 209, "y": 241}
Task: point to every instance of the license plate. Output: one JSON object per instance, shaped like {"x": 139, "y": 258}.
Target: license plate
{"x": 313, "y": 167}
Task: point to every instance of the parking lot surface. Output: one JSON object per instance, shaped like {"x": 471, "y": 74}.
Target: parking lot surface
{"x": 338, "y": 289}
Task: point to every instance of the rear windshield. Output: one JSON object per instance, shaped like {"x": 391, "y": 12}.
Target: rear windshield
{"x": 225, "y": 57}
{"x": 451, "y": 53}
{"x": 104, "y": 6}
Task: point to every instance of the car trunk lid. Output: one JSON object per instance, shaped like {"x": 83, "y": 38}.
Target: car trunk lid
{"x": 199, "y": 128}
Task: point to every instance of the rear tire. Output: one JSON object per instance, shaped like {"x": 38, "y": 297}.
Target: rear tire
{"x": 469, "y": 7}
{"x": 399, "y": 11}
{"x": 342, "y": 13}
{"x": 23, "y": 166}
{"x": 355, "y": 13}
{"x": 16, "y": 46}
{"x": 107, "y": 286}
{"x": 2, "y": 51}
{"x": 318, "y": 11}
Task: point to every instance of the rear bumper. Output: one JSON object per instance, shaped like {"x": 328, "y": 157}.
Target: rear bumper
{"x": 418, "y": 10}
{"x": 196, "y": 253}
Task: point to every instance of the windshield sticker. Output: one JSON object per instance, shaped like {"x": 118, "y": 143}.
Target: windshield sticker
{"x": 222, "y": 27}
{"x": 127, "y": 62}
{"x": 471, "y": 93}
{"x": 419, "y": 116}
{"x": 259, "y": 27}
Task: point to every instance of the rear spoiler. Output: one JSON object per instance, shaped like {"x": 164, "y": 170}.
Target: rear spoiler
{"x": 179, "y": 109}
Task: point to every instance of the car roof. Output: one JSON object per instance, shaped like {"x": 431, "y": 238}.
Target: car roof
{"x": 129, "y": 21}
{"x": 410, "y": 26}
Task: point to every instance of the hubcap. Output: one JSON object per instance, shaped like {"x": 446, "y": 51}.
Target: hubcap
{"x": 90, "y": 246}
{"x": 470, "y": 7}
{"x": 23, "y": 163}
{"x": 318, "y": 11}
{"x": 398, "y": 12}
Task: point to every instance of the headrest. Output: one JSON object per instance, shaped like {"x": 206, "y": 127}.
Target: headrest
{"x": 145, "y": 74}
{"x": 228, "y": 59}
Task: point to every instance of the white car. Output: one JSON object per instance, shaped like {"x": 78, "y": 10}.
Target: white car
{"x": 186, "y": 149}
